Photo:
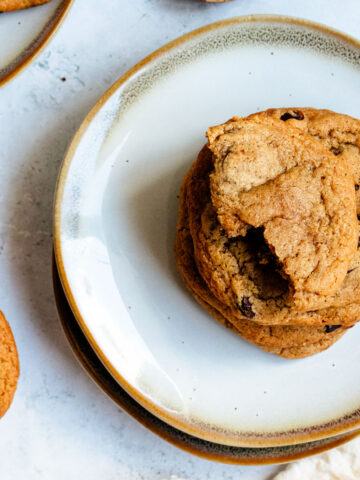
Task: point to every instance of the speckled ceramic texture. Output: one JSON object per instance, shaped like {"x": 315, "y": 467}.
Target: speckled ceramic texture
{"x": 211, "y": 451}
{"x": 29, "y": 31}
{"x": 115, "y": 217}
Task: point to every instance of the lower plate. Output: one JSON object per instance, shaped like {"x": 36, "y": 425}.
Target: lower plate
{"x": 29, "y": 30}
{"x": 196, "y": 446}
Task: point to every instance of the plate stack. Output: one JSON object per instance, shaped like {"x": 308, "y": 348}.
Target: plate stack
{"x": 123, "y": 305}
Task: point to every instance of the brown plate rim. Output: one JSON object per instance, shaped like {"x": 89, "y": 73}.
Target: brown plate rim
{"x": 37, "y": 45}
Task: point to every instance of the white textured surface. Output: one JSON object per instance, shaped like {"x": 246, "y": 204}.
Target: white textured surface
{"x": 343, "y": 463}
{"x": 61, "y": 425}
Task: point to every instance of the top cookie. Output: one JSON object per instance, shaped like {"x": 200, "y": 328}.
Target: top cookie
{"x": 240, "y": 272}
{"x": 339, "y": 133}
{"x": 10, "y": 5}
{"x": 271, "y": 175}
{"x": 9, "y": 365}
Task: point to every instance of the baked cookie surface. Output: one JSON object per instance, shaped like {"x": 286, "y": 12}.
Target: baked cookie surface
{"x": 10, "y": 5}
{"x": 270, "y": 175}
{"x": 241, "y": 273}
{"x": 287, "y": 341}
{"x": 9, "y": 365}
{"x": 338, "y": 132}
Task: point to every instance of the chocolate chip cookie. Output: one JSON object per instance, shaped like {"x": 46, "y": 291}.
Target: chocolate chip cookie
{"x": 242, "y": 272}
{"x": 339, "y": 133}
{"x": 9, "y": 365}
{"x": 287, "y": 341}
{"x": 10, "y": 5}
{"x": 270, "y": 175}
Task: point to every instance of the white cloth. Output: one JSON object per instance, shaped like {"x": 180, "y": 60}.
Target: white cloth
{"x": 341, "y": 463}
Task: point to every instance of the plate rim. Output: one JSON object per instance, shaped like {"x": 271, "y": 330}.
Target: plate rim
{"x": 345, "y": 423}
{"x": 147, "y": 419}
{"x": 38, "y": 45}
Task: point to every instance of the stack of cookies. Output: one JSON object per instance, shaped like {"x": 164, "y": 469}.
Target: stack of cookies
{"x": 268, "y": 231}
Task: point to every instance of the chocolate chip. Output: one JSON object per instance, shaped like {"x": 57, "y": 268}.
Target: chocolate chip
{"x": 335, "y": 151}
{"x": 359, "y": 242}
{"x": 296, "y": 114}
{"x": 357, "y": 186}
{"x": 331, "y": 328}
{"x": 245, "y": 308}
{"x": 358, "y": 217}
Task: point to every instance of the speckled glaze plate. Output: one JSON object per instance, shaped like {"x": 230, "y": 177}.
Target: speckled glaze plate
{"x": 211, "y": 451}
{"x": 115, "y": 218}
{"x": 29, "y": 31}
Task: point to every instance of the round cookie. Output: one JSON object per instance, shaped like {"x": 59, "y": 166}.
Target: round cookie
{"x": 10, "y": 5}
{"x": 9, "y": 365}
{"x": 276, "y": 177}
{"x": 277, "y": 339}
{"x": 341, "y": 135}
{"x": 235, "y": 273}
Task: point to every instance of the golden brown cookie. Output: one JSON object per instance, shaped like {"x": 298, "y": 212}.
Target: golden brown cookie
{"x": 272, "y": 176}
{"x": 10, "y": 5}
{"x": 276, "y": 339}
{"x": 240, "y": 272}
{"x": 9, "y": 365}
{"x": 339, "y": 133}
{"x": 296, "y": 352}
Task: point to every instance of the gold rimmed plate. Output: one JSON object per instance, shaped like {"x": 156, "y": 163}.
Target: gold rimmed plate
{"x": 29, "y": 30}
{"x": 114, "y": 226}
{"x": 211, "y": 451}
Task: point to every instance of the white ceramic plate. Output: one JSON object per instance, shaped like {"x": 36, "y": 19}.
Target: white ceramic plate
{"x": 196, "y": 446}
{"x": 115, "y": 217}
{"x": 29, "y": 31}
